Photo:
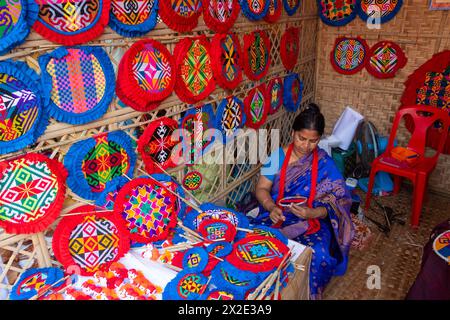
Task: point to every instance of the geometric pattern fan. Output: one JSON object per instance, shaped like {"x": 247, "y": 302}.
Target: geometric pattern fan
{"x": 79, "y": 82}
{"x": 72, "y": 22}
{"x": 195, "y": 79}
{"x": 156, "y": 145}
{"x": 147, "y": 208}
{"x": 226, "y": 51}
{"x": 256, "y": 54}
{"x": 385, "y": 59}
{"x": 180, "y": 15}
{"x": 230, "y": 117}
{"x": 187, "y": 285}
{"x": 274, "y": 13}
{"x": 292, "y": 92}
{"x": 255, "y": 10}
{"x": 220, "y": 15}
{"x": 378, "y": 11}
{"x": 97, "y": 162}
{"x": 290, "y": 48}
{"x": 337, "y": 12}
{"x": 291, "y": 6}
{"x": 22, "y": 114}
{"x": 33, "y": 280}
{"x": 90, "y": 241}
{"x": 146, "y": 75}
{"x": 32, "y": 190}
{"x": 256, "y": 107}
{"x": 349, "y": 55}
{"x": 133, "y": 18}
{"x": 275, "y": 92}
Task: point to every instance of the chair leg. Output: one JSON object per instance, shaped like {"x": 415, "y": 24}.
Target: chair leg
{"x": 373, "y": 172}
{"x": 397, "y": 184}
{"x": 419, "y": 190}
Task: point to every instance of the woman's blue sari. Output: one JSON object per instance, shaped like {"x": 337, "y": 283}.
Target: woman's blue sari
{"x": 331, "y": 243}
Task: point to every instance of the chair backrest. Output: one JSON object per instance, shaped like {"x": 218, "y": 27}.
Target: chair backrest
{"x": 421, "y": 125}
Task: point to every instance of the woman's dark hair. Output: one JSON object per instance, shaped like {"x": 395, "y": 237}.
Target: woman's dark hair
{"x": 310, "y": 118}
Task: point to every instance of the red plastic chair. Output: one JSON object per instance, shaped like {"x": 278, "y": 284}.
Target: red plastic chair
{"x": 419, "y": 172}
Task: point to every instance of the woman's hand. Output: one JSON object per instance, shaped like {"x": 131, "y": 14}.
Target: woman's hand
{"x": 276, "y": 215}
{"x": 308, "y": 213}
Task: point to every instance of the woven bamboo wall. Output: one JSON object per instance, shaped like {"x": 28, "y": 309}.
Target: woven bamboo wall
{"x": 226, "y": 182}
{"x": 421, "y": 33}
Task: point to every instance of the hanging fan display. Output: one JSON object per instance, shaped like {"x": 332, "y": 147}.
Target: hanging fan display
{"x": 220, "y": 15}
{"x": 186, "y": 285}
{"x": 79, "y": 83}
{"x": 226, "y": 51}
{"x": 256, "y": 55}
{"x": 386, "y": 58}
{"x": 290, "y": 48}
{"x": 32, "y": 191}
{"x": 133, "y": 18}
{"x": 337, "y": 12}
{"x": 291, "y": 6}
{"x": 180, "y": 15}
{"x": 274, "y": 13}
{"x": 147, "y": 208}
{"x": 157, "y": 143}
{"x": 146, "y": 75}
{"x": 257, "y": 253}
{"x": 17, "y": 18}
{"x": 91, "y": 241}
{"x": 256, "y": 107}
{"x": 230, "y": 117}
{"x": 255, "y": 10}
{"x": 275, "y": 92}
{"x": 198, "y": 132}
{"x": 95, "y": 163}
{"x": 33, "y": 280}
{"x": 377, "y": 11}
{"x": 292, "y": 92}
{"x": 195, "y": 80}
{"x": 349, "y": 55}
{"x": 71, "y": 22}
{"x": 22, "y": 110}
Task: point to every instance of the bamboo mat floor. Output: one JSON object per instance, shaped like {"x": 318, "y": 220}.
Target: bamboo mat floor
{"x": 398, "y": 256}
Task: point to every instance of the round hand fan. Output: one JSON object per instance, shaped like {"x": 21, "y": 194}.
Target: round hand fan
{"x": 256, "y": 55}
{"x": 274, "y": 13}
{"x": 33, "y": 280}
{"x": 133, "y": 19}
{"x": 180, "y": 15}
{"x": 220, "y": 15}
{"x": 255, "y": 10}
{"x": 227, "y": 52}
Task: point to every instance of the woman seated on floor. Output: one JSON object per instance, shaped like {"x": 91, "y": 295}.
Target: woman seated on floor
{"x": 324, "y": 222}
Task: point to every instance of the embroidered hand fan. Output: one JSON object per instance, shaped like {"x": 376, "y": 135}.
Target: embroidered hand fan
{"x": 441, "y": 245}
{"x": 17, "y": 18}
{"x": 96, "y": 162}
{"x": 226, "y": 51}
{"x": 255, "y": 10}
{"x": 91, "y": 241}
{"x": 291, "y": 6}
{"x": 256, "y": 107}
{"x": 275, "y": 92}
{"x": 227, "y": 277}
{"x": 186, "y": 285}
{"x": 195, "y": 259}
{"x": 257, "y": 253}
{"x": 147, "y": 208}
{"x": 337, "y": 12}
{"x": 215, "y": 229}
{"x": 429, "y": 85}
{"x": 219, "y": 249}
{"x": 223, "y": 295}
{"x": 230, "y": 117}
{"x": 385, "y": 59}
{"x": 292, "y": 92}
{"x": 79, "y": 82}
{"x": 220, "y": 15}
{"x": 274, "y": 13}
{"x": 22, "y": 115}
{"x": 195, "y": 79}
{"x": 133, "y": 19}
{"x": 268, "y": 232}
{"x": 193, "y": 180}
{"x": 32, "y": 190}
{"x": 198, "y": 132}
{"x": 256, "y": 54}
{"x": 290, "y": 48}
{"x": 376, "y": 11}
{"x": 157, "y": 143}
{"x": 349, "y": 55}
{"x": 33, "y": 280}
{"x": 147, "y": 75}
{"x": 71, "y": 22}
{"x": 180, "y": 15}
